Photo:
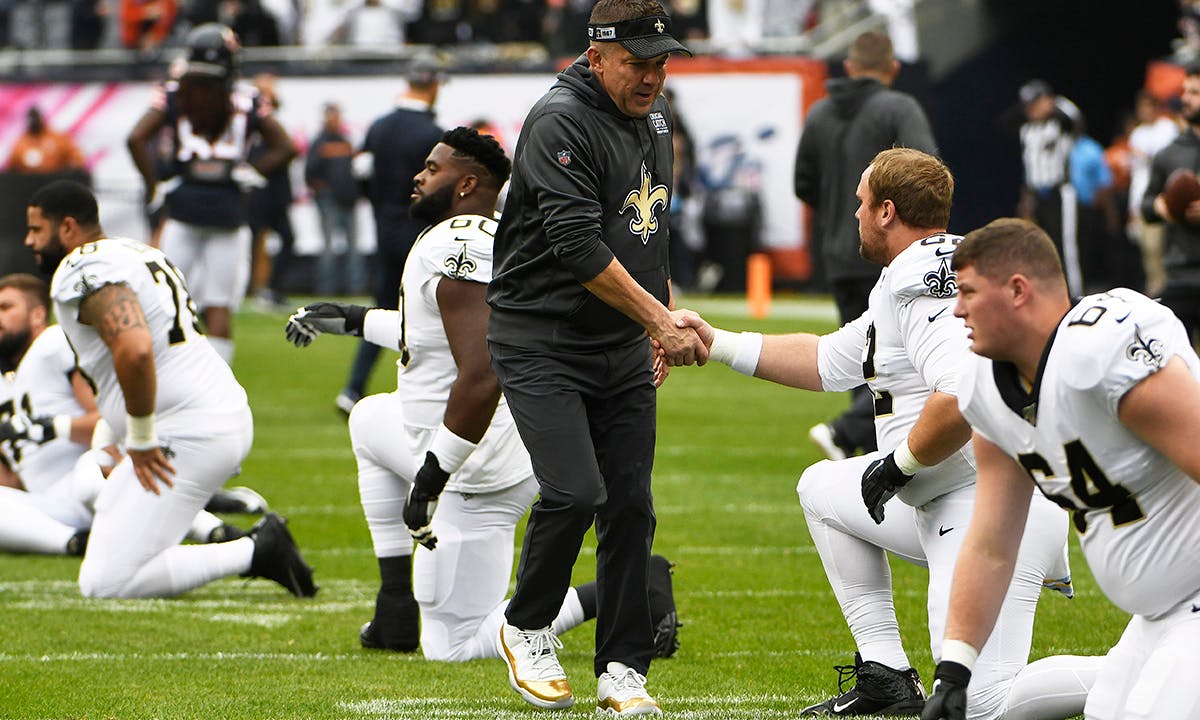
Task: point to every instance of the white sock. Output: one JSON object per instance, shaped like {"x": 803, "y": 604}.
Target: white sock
{"x": 224, "y": 348}
{"x": 1052, "y": 688}
{"x": 203, "y": 525}
{"x": 183, "y": 567}
{"x": 570, "y": 615}
{"x": 861, "y": 580}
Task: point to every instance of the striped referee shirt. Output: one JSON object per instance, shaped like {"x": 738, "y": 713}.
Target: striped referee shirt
{"x": 1045, "y": 149}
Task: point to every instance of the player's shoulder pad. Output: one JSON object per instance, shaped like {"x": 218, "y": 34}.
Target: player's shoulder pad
{"x": 1121, "y": 326}
{"x": 461, "y": 247}
{"x": 923, "y": 269}
{"x": 93, "y": 265}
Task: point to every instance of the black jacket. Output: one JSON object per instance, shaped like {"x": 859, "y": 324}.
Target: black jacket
{"x": 589, "y": 184}
{"x": 328, "y": 167}
{"x": 842, "y": 134}
{"x": 1181, "y": 256}
{"x": 400, "y": 141}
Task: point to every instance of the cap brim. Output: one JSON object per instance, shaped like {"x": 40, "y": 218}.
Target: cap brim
{"x": 653, "y": 46}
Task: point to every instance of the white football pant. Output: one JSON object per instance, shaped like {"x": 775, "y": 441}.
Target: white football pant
{"x": 134, "y": 548}
{"x": 853, "y": 550}
{"x": 215, "y": 262}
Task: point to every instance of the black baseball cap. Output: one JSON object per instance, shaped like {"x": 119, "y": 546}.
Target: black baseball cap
{"x": 425, "y": 71}
{"x": 1033, "y": 90}
{"x": 643, "y": 37}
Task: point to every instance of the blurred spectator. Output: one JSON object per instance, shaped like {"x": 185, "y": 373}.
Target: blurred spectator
{"x": 376, "y": 23}
{"x": 393, "y": 152}
{"x": 1181, "y": 254}
{"x": 42, "y": 150}
{"x": 861, "y": 116}
{"x": 145, "y": 24}
{"x": 329, "y": 176}
{"x": 1187, "y": 46}
{"x": 689, "y": 18}
{"x": 737, "y": 28}
{"x": 254, "y": 26}
{"x": 566, "y": 26}
{"x": 684, "y": 182}
{"x": 1097, "y": 219}
{"x": 502, "y": 21}
{"x": 88, "y": 19}
{"x": 443, "y": 22}
{"x": 268, "y": 212}
{"x": 1154, "y": 130}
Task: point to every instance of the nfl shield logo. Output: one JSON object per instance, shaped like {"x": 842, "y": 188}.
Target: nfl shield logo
{"x": 564, "y": 157}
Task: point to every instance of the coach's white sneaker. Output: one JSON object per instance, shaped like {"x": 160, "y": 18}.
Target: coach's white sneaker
{"x": 533, "y": 667}
{"x": 621, "y": 692}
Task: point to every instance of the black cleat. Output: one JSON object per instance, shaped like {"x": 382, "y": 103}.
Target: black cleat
{"x": 77, "y": 545}
{"x": 237, "y": 500}
{"x": 277, "y": 558}
{"x": 878, "y": 690}
{"x": 662, "y": 607}
{"x": 396, "y": 625}
{"x": 225, "y": 533}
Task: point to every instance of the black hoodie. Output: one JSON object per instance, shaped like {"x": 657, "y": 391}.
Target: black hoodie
{"x": 589, "y": 183}
{"x": 842, "y": 134}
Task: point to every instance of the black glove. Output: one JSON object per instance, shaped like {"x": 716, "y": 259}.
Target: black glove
{"x": 22, "y": 427}
{"x": 324, "y": 317}
{"x": 880, "y": 482}
{"x": 949, "y": 698}
{"x": 423, "y": 500}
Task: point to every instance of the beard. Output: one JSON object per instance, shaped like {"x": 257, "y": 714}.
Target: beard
{"x": 433, "y": 207}
{"x": 13, "y": 344}
{"x": 49, "y": 257}
{"x": 872, "y": 246}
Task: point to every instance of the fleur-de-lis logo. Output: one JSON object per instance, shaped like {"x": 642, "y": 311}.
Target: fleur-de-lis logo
{"x": 942, "y": 283}
{"x": 460, "y": 265}
{"x": 643, "y": 201}
{"x": 1149, "y": 351}
{"x": 658, "y": 25}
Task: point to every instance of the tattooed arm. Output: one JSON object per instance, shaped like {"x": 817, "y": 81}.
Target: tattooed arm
{"x": 116, "y": 314}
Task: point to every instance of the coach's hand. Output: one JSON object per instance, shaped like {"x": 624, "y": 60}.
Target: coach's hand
{"x": 949, "y": 698}
{"x": 324, "y": 317}
{"x": 880, "y": 482}
{"x": 423, "y": 500}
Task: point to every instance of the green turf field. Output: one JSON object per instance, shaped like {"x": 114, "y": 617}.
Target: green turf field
{"x": 762, "y": 630}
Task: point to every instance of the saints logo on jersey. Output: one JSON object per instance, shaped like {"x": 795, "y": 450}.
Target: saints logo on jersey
{"x": 460, "y": 266}
{"x": 643, "y": 201}
{"x": 1148, "y": 351}
{"x": 942, "y": 283}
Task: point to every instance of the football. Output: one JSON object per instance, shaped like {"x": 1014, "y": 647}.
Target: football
{"x": 1181, "y": 190}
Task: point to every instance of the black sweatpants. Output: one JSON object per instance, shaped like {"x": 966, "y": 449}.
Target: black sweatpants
{"x": 588, "y": 421}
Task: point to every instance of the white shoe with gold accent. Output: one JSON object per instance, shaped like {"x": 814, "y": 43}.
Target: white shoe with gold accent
{"x": 533, "y": 667}
{"x": 622, "y": 693}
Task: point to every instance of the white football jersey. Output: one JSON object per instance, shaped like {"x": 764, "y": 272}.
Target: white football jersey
{"x": 191, "y": 377}
{"x": 458, "y": 248}
{"x": 1135, "y": 511}
{"x": 905, "y": 346}
{"x": 41, "y": 386}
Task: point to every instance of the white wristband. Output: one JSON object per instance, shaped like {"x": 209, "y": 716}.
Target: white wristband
{"x": 451, "y": 450}
{"x": 103, "y": 435}
{"x": 739, "y": 351}
{"x": 959, "y": 652}
{"x": 906, "y": 461}
{"x": 139, "y": 432}
{"x": 62, "y": 426}
{"x": 382, "y": 327}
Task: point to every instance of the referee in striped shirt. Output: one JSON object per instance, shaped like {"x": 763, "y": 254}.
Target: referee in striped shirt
{"x": 1048, "y": 198}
